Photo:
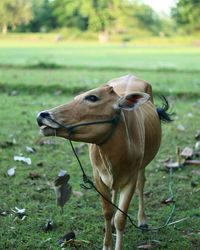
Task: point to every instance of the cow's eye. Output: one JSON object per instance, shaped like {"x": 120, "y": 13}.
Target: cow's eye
{"x": 91, "y": 98}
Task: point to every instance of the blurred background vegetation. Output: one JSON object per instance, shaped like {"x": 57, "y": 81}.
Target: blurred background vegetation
{"x": 114, "y": 20}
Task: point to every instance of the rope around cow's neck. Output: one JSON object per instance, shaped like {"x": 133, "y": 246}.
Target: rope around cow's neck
{"x": 89, "y": 184}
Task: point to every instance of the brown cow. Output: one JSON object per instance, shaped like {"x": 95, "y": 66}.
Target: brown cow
{"x": 123, "y": 129}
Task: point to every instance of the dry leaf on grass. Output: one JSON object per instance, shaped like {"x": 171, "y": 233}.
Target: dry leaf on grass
{"x": 20, "y": 212}
{"x": 3, "y": 213}
{"x": 196, "y": 172}
{"x": 49, "y": 226}
{"x": 62, "y": 188}
{"x": 11, "y": 171}
{"x": 171, "y": 164}
{"x": 187, "y": 153}
{"x": 146, "y": 246}
{"x": 23, "y": 159}
{"x": 180, "y": 127}
{"x": 66, "y": 238}
{"x": 167, "y": 201}
{"x": 34, "y": 175}
{"x": 30, "y": 150}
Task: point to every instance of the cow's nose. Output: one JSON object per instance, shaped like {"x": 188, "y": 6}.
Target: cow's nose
{"x": 44, "y": 114}
{"x": 41, "y": 116}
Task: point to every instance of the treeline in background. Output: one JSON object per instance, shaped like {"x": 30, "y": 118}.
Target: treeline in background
{"x": 99, "y": 19}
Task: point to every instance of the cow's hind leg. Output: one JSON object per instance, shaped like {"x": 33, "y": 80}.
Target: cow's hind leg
{"x": 124, "y": 201}
{"x": 142, "y": 219}
{"x": 108, "y": 212}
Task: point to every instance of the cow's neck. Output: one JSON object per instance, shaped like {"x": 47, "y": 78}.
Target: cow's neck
{"x": 127, "y": 138}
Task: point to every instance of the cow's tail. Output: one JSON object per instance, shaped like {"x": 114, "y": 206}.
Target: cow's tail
{"x": 163, "y": 112}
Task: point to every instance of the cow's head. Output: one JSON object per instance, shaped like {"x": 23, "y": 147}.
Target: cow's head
{"x": 101, "y": 104}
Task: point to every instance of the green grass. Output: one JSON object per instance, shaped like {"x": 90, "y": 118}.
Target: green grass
{"x": 93, "y": 55}
{"x": 66, "y": 71}
{"x": 75, "y": 79}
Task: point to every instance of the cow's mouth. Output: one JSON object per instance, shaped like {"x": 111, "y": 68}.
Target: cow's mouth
{"x": 47, "y": 125}
{"x": 47, "y": 130}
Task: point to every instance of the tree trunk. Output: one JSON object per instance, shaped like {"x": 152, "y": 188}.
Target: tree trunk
{"x": 4, "y": 29}
{"x": 14, "y": 26}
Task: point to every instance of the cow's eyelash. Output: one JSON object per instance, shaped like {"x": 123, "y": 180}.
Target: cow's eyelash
{"x": 92, "y": 98}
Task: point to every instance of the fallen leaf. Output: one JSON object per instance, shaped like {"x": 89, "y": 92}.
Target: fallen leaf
{"x": 167, "y": 201}
{"x": 48, "y": 226}
{"x": 11, "y": 171}
{"x": 196, "y": 172}
{"x": 30, "y": 150}
{"x": 26, "y": 160}
{"x": 66, "y": 238}
{"x": 171, "y": 164}
{"x": 146, "y": 246}
{"x": 20, "y": 212}
{"x": 3, "y": 213}
{"x": 180, "y": 127}
{"x": 34, "y": 175}
{"x": 187, "y": 152}
{"x": 62, "y": 188}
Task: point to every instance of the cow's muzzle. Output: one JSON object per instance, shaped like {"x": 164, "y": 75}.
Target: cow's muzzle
{"x": 46, "y": 123}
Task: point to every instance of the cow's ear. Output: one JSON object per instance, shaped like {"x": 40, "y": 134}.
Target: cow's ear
{"x": 133, "y": 100}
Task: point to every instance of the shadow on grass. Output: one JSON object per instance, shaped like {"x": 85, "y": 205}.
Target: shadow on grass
{"x": 45, "y": 65}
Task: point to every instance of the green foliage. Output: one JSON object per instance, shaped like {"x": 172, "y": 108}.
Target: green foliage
{"x": 14, "y": 12}
{"x": 92, "y": 14}
{"x": 42, "y": 17}
{"x": 187, "y": 13}
{"x": 124, "y": 18}
{"x": 102, "y": 15}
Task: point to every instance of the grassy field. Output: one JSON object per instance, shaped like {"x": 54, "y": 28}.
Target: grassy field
{"x": 33, "y": 78}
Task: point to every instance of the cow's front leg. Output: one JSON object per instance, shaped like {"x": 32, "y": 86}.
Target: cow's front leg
{"x": 108, "y": 212}
{"x": 124, "y": 201}
{"x": 114, "y": 198}
{"x": 142, "y": 219}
